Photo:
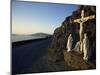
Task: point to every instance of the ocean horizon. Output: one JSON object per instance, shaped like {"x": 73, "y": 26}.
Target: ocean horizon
{"x": 16, "y": 38}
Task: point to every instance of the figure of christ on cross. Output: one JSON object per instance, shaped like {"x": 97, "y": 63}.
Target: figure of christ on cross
{"x": 81, "y": 21}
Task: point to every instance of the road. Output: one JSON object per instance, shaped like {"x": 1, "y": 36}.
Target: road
{"x": 31, "y": 57}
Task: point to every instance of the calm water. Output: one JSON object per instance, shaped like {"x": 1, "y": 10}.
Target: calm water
{"x": 16, "y": 38}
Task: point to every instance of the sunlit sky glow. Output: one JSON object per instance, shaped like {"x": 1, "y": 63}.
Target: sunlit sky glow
{"x": 32, "y": 17}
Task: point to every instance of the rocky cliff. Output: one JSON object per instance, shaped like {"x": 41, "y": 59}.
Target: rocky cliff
{"x": 60, "y": 35}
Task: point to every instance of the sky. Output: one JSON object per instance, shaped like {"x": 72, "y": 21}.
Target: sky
{"x": 34, "y": 17}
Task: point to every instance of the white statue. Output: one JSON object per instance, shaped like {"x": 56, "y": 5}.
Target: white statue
{"x": 86, "y": 49}
{"x": 77, "y": 47}
{"x": 81, "y": 22}
{"x": 69, "y": 43}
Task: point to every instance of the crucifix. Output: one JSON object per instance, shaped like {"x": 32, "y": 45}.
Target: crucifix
{"x": 81, "y": 21}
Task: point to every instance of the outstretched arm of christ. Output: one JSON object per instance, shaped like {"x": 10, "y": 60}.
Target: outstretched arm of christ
{"x": 77, "y": 20}
{"x": 89, "y": 17}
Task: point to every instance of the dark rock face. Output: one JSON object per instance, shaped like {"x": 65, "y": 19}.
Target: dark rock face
{"x": 60, "y": 36}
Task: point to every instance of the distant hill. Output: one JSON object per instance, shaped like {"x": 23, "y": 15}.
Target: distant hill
{"x": 41, "y": 35}
{"x": 14, "y": 34}
{"x": 36, "y": 34}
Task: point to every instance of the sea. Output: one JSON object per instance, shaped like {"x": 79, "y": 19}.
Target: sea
{"x": 16, "y": 38}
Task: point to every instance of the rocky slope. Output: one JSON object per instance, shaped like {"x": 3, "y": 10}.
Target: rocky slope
{"x": 76, "y": 62}
{"x": 60, "y": 36}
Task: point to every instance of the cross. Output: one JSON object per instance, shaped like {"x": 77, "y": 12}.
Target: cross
{"x": 81, "y": 21}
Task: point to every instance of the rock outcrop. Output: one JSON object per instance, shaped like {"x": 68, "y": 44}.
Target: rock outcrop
{"x": 76, "y": 62}
{"x": 60, "y": 36}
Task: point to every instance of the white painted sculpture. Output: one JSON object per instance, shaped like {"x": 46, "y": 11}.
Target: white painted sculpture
{"x": 69, "y": 43}
{"x": 86, "y": 49}
{"x": 81, "y": 21}
{"x": 77, "y": 47}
